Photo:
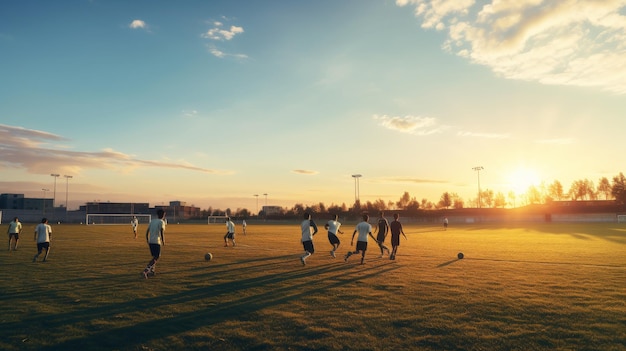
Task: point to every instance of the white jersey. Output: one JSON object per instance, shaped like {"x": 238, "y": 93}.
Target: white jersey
{"x": 231, "y": 226}
{"x": 363, "y": 229}
{"x": 154, "y": 231}
{"x": 308, "y": 229}
{"x": 333, "y": 226}
{"x": 134, "y": 223}
{"x": 43, "y": 232}
{"x": 15, "y": 227}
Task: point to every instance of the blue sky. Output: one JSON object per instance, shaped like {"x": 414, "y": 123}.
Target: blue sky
{"x": 211, "y": 102}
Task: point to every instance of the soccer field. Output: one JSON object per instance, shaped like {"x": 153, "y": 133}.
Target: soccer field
{"x": 519, "y": 287}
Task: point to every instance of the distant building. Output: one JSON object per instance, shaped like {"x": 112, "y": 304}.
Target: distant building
{"x": 116, "y": 207}
{"x": 272, "y": 210}
{"x": 179, "y": 210}
{"x": 19, "y": 202}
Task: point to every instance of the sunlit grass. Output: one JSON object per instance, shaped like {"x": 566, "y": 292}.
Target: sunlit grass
{"x": 535, "y": 287}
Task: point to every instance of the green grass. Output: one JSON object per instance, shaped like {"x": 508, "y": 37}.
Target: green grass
{"x": 533, "y": 287}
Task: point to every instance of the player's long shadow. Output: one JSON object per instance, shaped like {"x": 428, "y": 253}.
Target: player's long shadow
{"x": 264, "y": 291}
{"x": 448, "y": 263}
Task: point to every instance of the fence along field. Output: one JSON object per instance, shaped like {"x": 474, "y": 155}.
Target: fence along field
{"x": 539, "y": 287}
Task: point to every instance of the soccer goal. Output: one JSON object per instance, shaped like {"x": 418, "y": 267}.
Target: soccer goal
{"x": 216, "y": 219}
{"x": 621, "y": 218}
{"x": 115, "y": 219}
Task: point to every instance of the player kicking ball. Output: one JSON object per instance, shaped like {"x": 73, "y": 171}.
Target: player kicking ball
{"x": 364, "y": 229}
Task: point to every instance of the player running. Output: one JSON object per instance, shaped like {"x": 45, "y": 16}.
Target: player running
{"x": 230, "y": 232}
{"x": 155, "y": 238}
{"x": 396, "y": 230}
{"x": 14, "y": 230}
{"x": 364, "y": 229}
{"x": 383, "y": 230}
{"x": 333, "y": 228}
{"x": 308, "y": 230}
{"x": 43, "y": 234}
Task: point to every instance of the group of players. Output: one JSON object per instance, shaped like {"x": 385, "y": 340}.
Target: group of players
{"x": 364, "y": 231}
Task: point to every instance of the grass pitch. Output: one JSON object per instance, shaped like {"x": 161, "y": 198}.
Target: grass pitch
{"x": 524, "y": 287}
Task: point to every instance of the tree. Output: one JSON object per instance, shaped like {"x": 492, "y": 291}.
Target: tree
{"x": 486, "y": 198}
{"x": 499, "y": 201}
{"x": 555, "y": 190}
{"x": 445, "y": 201}
{"x": 533, "y": 195}
{"x": 618, "y": 190}
{"x": 512, "y": 198}
{"x": 404, "y": 200}
{"x": 604, "y": 187}
{"x": 582, "y": 190}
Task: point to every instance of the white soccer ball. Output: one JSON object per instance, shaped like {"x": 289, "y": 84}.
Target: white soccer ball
{"x": 208, "y": 256}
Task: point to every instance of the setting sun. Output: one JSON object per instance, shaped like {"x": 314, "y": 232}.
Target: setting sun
{"x": 523, "y": 178}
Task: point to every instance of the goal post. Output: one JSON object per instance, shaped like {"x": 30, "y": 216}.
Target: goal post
{"x": 115, "y": 219}
{"x": 621, "y": 218}
{"x": 217, "y": 219}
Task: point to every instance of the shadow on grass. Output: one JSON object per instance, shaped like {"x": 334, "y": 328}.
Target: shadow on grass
{"x": 258, "y": 292}
{"x": 448, "y": 263}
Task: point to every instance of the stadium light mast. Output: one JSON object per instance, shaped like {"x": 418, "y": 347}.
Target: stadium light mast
{"x": 43, "y": 202}
{"x": 478, "y": 169}
{"x": 265, "y": 210}
{"x": 356, "y": 187}
{"x": 257, "y": 203}
{"x": 67, "y": 185}
{"x": 54, "y": 194}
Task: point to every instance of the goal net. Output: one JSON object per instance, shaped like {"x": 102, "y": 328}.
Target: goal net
{"x": 621, "y": 218}
{"x": 116, "y": 219}
{"x": 217, "y": 219}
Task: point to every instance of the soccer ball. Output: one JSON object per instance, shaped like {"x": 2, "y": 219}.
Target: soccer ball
{"x": 460, "y": 255}
{"x": 208, "y": 256}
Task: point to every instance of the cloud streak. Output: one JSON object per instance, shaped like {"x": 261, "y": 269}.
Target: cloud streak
{"x": 568, "y": 42}
{"x": 410, "y": 124}
{"x": 38, "y": 152}
{"x": 304, "y": 171}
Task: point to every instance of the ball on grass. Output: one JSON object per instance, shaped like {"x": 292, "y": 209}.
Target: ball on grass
{"x": 208, "y": 256}
{"x": 460, "y": 255}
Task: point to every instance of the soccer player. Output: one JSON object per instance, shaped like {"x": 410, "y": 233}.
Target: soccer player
{"x": 14, "y": 230}
{"x": 396, "y": 230}
{"x": 244, "y": 225}
{"x": 230, "y": 232}
{"x": 364, "y": 229}
{"x": 43, "y": 234}
{"x": 445, "y": 223}
{"x": 308, "y": 230}
{"x": 135, "y": 224}
{"x": 155, "y": 238}
{"x": 333, "y": 228}
{"x": 383, "y": 230}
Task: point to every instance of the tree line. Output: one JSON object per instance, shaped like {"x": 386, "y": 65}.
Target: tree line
{"x": 579, "y": 190}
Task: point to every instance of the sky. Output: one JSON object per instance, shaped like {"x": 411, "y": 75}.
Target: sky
{"x": 214, "y": 102}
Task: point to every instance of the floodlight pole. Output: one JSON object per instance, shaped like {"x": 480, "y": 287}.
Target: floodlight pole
{"x": 478, "y": 169}
{"x": 67, "y": 185}
{"x": 43, "y": 203}
{"x": 265, "y": 211}
{"x": 356, "y": 187}
{"x": 54, "y": 196}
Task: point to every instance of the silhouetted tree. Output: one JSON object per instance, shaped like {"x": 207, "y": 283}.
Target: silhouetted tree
{"x": 604, "y": 187}
{"x": 618, "y": 190}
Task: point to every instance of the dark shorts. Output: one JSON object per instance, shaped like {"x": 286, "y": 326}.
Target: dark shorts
{"x": 41, "y": 246}
{"x": 333, "y": 238}
{"x": 14, "y": 235}
{"x": 445, "y": 225}
{"x": 229, "y": 236}
{"x": 380, "y": 238}
{"x": 308, "y": 246}
{"x": 155, "y": 250}
{"x": 361, "y": 246}
{"x": 395, "y": 240}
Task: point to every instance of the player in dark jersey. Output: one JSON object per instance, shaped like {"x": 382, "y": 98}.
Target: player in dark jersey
{"x": 382, "y": 229}
{"x": 396, "y": 230}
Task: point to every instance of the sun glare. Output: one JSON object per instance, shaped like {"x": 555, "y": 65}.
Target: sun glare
{"x": 523, "y": 178}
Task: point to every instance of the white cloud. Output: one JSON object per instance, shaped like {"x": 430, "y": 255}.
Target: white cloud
{"x": 304, "y": 171}
{"x": 137, "y": 24}
{"x": 566, "y": 42}
{"x": 38, "y": 152}
{"x": 220, "y": 34}
{"x": 410, "y": 124}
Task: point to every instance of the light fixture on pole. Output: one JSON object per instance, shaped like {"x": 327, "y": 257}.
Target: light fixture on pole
{"x": 54, "y": 194}
{"x": 265, "y": 209}
{"x": 67, "y": 185}
{"x": 356, "y": 187}
{"x": 478, "y": 169}
{"x": 43, "y": 202}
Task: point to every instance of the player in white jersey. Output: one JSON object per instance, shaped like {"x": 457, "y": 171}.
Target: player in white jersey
{"x": 230, "y": 232}
{"x": 333, "y": 228}
{"x": 155, "y": 238}
{"x": 364, "y": 229}
{"x": 14, "y": 230}
{"x": 243, "y": 226}
{"x": 43, "y": 233}
{"x": 308, "y": 230}
{"x": 135, "y": 225}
